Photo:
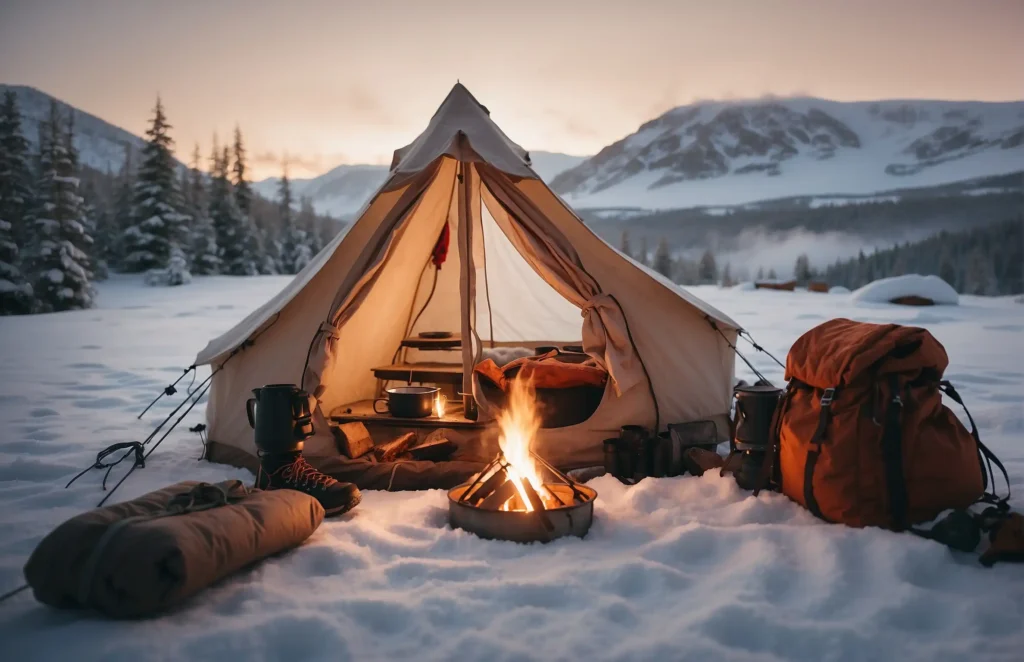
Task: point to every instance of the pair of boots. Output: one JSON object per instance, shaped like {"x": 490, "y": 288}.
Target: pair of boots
{"x": 290, "y": 471}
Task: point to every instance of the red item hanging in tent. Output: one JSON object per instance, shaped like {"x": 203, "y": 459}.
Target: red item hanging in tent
{"x": 440, "y": 253}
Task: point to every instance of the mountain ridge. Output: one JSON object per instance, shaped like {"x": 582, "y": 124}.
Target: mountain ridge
{"x": 101, "y": 144}
{"x": 709, "y": 153}
{"x": 734, "y": 152}
{"x": 342, "y": 190}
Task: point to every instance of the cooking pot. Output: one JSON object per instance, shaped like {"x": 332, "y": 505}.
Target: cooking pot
{"x": 409, "y": 401}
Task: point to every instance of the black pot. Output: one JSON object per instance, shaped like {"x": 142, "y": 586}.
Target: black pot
{"x": 755, "y": 407}
{"x": 409, "y": 401}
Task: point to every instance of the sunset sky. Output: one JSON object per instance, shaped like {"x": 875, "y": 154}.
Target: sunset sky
{"x": 334, "y": 81}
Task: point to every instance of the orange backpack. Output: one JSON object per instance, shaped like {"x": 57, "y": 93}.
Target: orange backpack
{"x": 861, "y": 434}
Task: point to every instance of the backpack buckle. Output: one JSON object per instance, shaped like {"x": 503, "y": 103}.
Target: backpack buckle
{"x": 827, "y": 397}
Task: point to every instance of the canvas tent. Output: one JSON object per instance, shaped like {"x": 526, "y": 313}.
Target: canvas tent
{"x": 522, "y": 269}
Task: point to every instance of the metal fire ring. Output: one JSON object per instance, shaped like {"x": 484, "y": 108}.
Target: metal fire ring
{"x": 520, "y": 526}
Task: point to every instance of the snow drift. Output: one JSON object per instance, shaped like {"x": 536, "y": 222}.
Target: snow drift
{"x": 886, "y": 290}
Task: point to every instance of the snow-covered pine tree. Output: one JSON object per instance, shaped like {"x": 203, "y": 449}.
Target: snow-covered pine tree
{"x": 233, "y": 230}
{"x": 270, "y": 251}
{"x": 296, "y": 243}
{"x": 727, "y": 280}
{"x": 708, "y": 272}
{"x": 58, "y": 259}
{"x": 625, "y": 244}
{"x": 256, "y": 237}
{"x": 121, "y": 208}
{"x": 979, "y": 274}
{"x": 15, "y": 199}
{"x": 243, "y": 191}
{"x": 205, "y": 255}
{"x": 94, "y": 264}
{"x": 642, "y": 255}
{"x": 663, "y": 262}
{"x": 319, "y": 230}
{"x": 157, "y": 221}
{"x": 97, "y": 226}
{"x": 802, "y": 269}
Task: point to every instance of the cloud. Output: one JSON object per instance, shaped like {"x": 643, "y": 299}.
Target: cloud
{"x": 355, "y": 104}
{"x": 571, "y": 125}
{"x": 299, "y": 165}
{"x": 756, "y": 248}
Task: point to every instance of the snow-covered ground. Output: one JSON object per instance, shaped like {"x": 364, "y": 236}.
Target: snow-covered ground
{"x": 676, "y": 568}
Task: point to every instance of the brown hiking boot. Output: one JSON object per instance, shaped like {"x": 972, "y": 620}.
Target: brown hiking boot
{"x": 294, "y": 473}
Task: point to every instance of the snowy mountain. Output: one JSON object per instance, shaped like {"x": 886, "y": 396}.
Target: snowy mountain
{"x": 551, "y": 164}
{"x": 342, "y": 191}
{"x": 101, "y": 144}
{"x": 726, "y": 153}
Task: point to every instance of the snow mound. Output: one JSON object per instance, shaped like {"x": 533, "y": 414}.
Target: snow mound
{"x": 745, "y": 287}
{"x": 886, "y": 290}
{"x": 168, "y": 277}
{"x": 839, "y": 289}
{"x": 176, "y": 273}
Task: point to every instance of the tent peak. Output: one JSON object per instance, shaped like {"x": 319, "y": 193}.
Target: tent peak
{"x": 463, "y": 129}
{"x": 459, "y": 90}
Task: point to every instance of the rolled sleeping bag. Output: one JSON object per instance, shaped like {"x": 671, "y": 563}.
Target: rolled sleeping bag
{"x": 146, "y": 555}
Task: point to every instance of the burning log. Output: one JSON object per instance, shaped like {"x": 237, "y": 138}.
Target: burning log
{"x": 509, "y": 499}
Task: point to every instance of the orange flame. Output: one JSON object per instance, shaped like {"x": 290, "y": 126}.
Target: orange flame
{"x": 519, "y": 423}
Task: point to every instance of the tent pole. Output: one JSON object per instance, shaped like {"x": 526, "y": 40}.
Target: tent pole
{"x": 467, "y": 289}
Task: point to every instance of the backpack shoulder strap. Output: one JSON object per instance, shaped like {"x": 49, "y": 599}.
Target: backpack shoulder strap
{"x": 892, "y": 452}
{"x": 986, "y": 458}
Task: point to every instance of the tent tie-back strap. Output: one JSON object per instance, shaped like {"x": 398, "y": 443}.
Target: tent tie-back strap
{"x": 714, "y": 325}
{"x": 650, "y": 384}
{"x": 325, "y": 329}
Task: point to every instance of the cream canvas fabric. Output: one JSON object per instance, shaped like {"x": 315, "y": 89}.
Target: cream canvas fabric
{"x": 522, "y": 269}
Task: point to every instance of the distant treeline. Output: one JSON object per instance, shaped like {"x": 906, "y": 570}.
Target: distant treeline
{"x": 986, "y": 261}
{"x": 897, "y": 220}
{"x": 63, "y": 225}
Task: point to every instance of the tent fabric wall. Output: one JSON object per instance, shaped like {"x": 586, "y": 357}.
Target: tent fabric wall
{"x": 518, "y": 256}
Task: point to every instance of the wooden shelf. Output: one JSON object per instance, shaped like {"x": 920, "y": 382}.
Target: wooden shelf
{"x": 415, "y": 342}
{"x": 421, "y": 373}
{"x": 363, "y": 412}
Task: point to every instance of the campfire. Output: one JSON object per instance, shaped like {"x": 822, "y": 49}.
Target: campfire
{"x": 519, "y": 496}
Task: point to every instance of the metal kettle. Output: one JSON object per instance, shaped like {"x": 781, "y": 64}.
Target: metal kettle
{"x": 755, "y": 407}
{"x": 282, "y": 416}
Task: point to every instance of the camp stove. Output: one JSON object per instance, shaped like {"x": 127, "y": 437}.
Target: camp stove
{"x": 519, "y": 496}
{"x": 499, "y": 503}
